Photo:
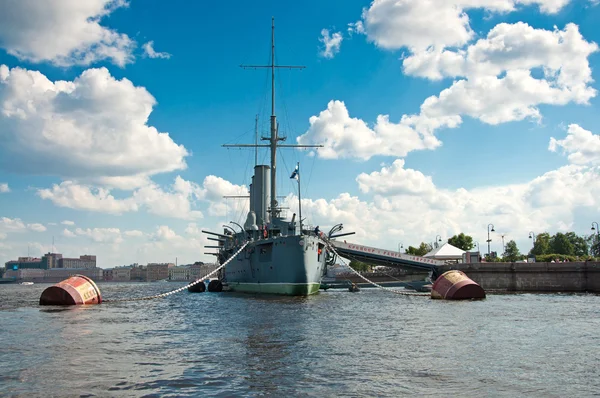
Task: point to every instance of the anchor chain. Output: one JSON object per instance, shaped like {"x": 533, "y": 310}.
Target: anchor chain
{"x": 330, "y": 246}
{"x": 162, "y": 295}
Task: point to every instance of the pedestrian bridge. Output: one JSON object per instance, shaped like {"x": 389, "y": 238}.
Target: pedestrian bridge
{"x": 388, "y": 258}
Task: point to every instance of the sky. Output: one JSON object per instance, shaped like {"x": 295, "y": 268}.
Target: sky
{"x": 436, "y": 117}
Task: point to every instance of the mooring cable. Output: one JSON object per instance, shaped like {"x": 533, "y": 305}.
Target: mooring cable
{"x": 162, "y": 295}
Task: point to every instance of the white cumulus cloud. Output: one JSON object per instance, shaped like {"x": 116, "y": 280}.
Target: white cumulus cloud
{"x": 17, "y": 225}
{"x": 134, "y": 233}
{"x": 394, "y": 180}
{"x": 72, "y": 195}
{"x": 192, "y": 229}
{"x": 151, "y": 53}
{"x": 36, "y": 227}
{"x": 563, "y": 55}
{"x": 177, "y": 202}
{"x": 4, "y": 188}
{"x": 68, "y": 233}
{"x": 67, "y": 222}
{"x": 214, "y": 189}
{"x": 418, "y": 210}
{"x": 164, "y": 233}
{"x": 417, "y": 25}
{"x": 581, "y": 145}
{"x": 99, "y": 121}
{"x": 63, "y": 32}
{"x": 346, "y": 137}
{"x": 503, "y": 77}
{"x": 180, "y": 200}
{"x": 331, "y": 43}
{"x": 11, "y": 224}
{"x": 101, "y": 235}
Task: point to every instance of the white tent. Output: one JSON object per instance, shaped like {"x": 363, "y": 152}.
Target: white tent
{"x": 446, "y": 252}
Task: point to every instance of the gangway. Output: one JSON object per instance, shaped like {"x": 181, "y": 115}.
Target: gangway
{"x": 388, "y": 258}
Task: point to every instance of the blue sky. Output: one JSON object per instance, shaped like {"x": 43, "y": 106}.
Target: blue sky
{"x": 492, "y": 117}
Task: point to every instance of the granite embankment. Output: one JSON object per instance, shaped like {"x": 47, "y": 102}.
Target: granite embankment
{"x": 533, "y": 277}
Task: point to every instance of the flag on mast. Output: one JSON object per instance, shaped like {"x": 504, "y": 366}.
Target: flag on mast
{"x": 295, "y": 173}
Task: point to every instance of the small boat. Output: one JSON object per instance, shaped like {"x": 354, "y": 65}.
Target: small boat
{"x": 26, "y": 283}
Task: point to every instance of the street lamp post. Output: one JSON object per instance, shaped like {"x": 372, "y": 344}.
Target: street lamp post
{"x": 488, "y": 239}
{"x": 476, "y": 243}
{"x": 503, "y": 247}
{"x": 597, "y": 235}
{"x": 436, "y": 240}
{"x": 400, "y": 246}
{"x": 532, "y": 237}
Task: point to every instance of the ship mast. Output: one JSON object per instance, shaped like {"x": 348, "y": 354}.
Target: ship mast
{"x": 274, "y": 136}
{"x": 274, "y": 133}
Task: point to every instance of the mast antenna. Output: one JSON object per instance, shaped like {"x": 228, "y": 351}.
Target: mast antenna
{"x": 274, "y": 138}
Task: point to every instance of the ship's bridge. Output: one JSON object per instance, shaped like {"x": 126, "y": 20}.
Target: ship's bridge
{"x": 388, "y": 258}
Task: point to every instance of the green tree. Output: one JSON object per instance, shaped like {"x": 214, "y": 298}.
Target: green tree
{"x": 423, "y": 249}
{"x": 580, "y": 244}
{"x": 541, "y": 244}
{"x": 560, "y": 244}
{"x": 359, "y": 266}
{"x": 512, "y": 253}
{"x": 594, "y": 244}
{"x": 462, "y": 241}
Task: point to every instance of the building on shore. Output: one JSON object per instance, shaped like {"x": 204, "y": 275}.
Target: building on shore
{"x": 199, "y": 270}
{"x": 52, "y": 261}
{"x": 83, "y": 262}
{"x": 26, "y": 274}
{"x": 191, "y": 272}
{"x": 59, "y": 274}
{"x": 52, "y": 275}
{"x": 138, "y": 273}
{"x": 158, "y": 271}
{"x": 121, "y": 274}
{"x": 180, "y": 273}
{"x": 25, "y": 263}
{"x": 52, "y": 267}
{"x": 107, "y": 275}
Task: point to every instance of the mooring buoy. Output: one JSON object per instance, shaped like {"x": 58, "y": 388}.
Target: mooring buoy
{"x": 76, "y": 290}
{"x": 456, "y": 285}
{"x": 215, "y": 286}
{"x": 199, "y": 287}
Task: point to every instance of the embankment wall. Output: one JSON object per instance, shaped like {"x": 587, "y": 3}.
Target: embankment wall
{"x": 533, "y": 277}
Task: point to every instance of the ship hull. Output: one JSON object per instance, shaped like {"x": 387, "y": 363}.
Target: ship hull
{"x": 287, "y": 265}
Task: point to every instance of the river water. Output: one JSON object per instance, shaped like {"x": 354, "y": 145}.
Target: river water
{"x": 336, "y": 343}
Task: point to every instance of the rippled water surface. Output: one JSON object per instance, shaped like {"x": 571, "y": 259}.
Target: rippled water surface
{"x": 371, "y": 343}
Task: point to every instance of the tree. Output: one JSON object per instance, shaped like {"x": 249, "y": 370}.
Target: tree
{"x": 359, "y": 266}
{"x": 423, "y": 249}
{"x": 512, "y": 251}
{"x": 580, "y": 244}
{"x": 462, "y": 241}
{"x": 560, "y": 244}
{"x": 541, "y": 244}
{"x": 594, "y": 244}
